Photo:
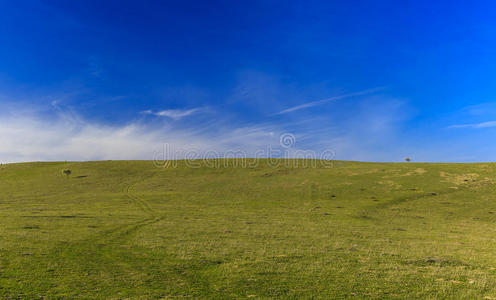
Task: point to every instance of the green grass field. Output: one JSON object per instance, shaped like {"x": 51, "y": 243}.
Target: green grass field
{"x": 127, "y": 229}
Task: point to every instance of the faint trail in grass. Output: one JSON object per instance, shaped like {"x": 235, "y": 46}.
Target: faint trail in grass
{"x": 417, "y": 196}
{"x": 100, "y": 250}
{"x": 145, "y": 207}
{"x": 110, "y": 238}
{"x": 140, "y": 202}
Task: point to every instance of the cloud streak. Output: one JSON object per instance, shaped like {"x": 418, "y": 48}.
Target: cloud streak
{"x": 487, "y": 124}
{"x": 326, "y": 100}
{"x": 33, "y": 138}
{"x": 175, "y": 114}
{"x": 28, "y": 135}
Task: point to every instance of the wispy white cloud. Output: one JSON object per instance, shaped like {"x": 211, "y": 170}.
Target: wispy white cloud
{"x": 175, "y": 114}
{"x": 481, "y": 109}
{"x": 28, "y": 135}
{"x": 323, "y": 101}
{"x": 34, "y": 138}
{"x": 487, "y": 124}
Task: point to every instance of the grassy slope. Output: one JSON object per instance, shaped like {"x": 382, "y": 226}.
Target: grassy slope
{"x": 129, "y": 229}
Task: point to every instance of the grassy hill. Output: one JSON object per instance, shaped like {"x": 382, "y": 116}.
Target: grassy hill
{"x": 127, "y": 229}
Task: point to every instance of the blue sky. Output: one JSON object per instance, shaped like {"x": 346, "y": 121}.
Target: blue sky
{"x": 371, "y": 80}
